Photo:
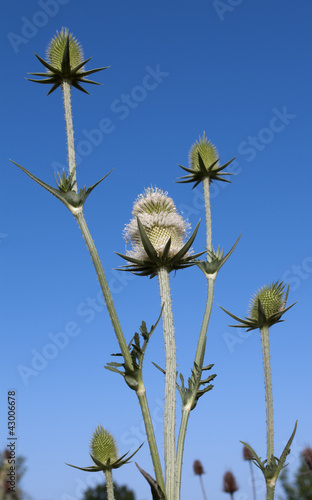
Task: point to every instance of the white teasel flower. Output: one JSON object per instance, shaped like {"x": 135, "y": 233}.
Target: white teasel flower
{"x": 161, "y": 221}
{"x": 157, "y": 234}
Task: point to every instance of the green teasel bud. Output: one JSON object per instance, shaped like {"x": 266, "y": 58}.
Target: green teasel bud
{"x": 266, "y": 308}
{"x": 104, "y": 453}
{"x": 56, "y": 48}
{"x": 103, "y": 446}
{"x": 271, "y": 298}
{"x": 204, "y": 164}
{"x": 65, "y": 63}
{"x": 207, "y": 151}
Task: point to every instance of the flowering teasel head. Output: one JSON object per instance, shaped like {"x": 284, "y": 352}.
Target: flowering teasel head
{"x": 65, "y": 63}
{"x": 104, "y": 452}
{"x": 229, "y": 483}
{"x": 157, "y": 235}
{"x": 266, "y": 308}
{"x": 204, "y": 163}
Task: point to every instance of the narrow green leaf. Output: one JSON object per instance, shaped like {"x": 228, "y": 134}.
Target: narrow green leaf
{"x": 148, "y": 247}
{"x": 286, "y": 451}
{"x": 186, "y": 247}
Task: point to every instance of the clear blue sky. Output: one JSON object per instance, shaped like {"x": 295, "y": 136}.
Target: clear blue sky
{"x": 241, "y": 71}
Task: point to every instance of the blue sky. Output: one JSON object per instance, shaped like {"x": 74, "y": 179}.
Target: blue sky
{"x": 236, "y": 69}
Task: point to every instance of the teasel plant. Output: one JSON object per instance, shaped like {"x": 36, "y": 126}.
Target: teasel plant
{"x": 204, "y": 168}
{"x": 267, "y": 307}
{"x": 65, "y": 69}
{"x": 160, "y": 243}
{"x": 156, "y": 235}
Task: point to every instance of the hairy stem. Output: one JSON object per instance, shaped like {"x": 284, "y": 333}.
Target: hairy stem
{"x": 170, "y": 382}
{"x": 141, "y": 394}
{"x": 268, "y": 390}
{"x": 105, "y": 288}
{"x": 109, "y": 484}
{"x": 201, "y": 345}
{"x": 270, "y": 492}
{"x": 69, "y": 133}
{"x": 253, "y": 481}
{"x": 206, "y": 183}
{"x": 199, "y": 362}
{"x": 180, "y": 448}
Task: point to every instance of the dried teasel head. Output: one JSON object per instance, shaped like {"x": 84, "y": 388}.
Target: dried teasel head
{"x": 229, "y": 483}
{"x": 247, "y": 454}
{"x": 198, "y": 468}
{"x": 307, "y": 455}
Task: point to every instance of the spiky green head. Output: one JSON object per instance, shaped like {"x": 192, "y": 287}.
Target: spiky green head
{"x": 206, "y": 150}
{"x": 55, "y": 50}
{"x": 103, "y": 446}
{"x": 271, "y": 298}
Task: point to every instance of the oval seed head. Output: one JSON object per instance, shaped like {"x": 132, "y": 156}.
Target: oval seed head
{"x": 271, "y": 298}
{"x": 103, "y": 446}
{"x": 55, "y": 50}
{"x": 198, "y": 468}
{"x": 229, "y": 483}
{"x": 247, "y": 453}
{"x": 207, "y": 151}
{"x": 161, "y": 221}
{"x": 307, "y": 455}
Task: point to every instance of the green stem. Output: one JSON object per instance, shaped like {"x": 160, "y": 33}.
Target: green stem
{"x": 69, "y": 133}
{"x": 170, "y": 382}
{"x": 201, "y": 345}
{"x": 180, "y": 448}
{"x": 141, "y": 394}
{"x": 203, "y": 332}
{"x": 206, "y": 183}
{"x": 268, "y": 391}
{"x": 105, "y": 288}
{"x": 253, "y": 481}
{"x": 270, "y": 492}
{"x": 109, "y": 484}
{"x": 199, "y": 361}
